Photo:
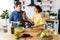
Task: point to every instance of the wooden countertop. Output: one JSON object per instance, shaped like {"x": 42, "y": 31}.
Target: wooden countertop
{"x": 34, "y": 34}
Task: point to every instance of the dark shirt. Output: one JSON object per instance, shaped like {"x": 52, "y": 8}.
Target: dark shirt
{"x": 17, "y": 16}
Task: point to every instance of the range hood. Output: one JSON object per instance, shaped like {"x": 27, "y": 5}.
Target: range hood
{"x": 32, "y": 3}
{"x": 38, "y": 0}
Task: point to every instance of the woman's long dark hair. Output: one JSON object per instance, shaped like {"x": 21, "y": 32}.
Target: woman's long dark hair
{"x": 39, "y": 8}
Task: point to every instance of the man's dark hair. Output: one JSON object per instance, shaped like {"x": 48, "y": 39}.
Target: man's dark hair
{"x": 39, "y": 8}
{"x": 17, "y": 3}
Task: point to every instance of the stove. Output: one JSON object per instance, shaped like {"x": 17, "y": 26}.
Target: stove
{"x": 52, "y": 24}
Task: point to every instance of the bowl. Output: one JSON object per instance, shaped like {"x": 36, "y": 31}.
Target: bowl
{"x": 19, "y": 30}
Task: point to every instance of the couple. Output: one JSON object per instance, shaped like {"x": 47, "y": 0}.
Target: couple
{"x": 19, "y": 17}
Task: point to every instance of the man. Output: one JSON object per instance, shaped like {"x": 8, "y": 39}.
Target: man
{"x": 18, "y": 17}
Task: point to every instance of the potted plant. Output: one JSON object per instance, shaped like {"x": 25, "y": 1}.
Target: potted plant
{"x": 53, "y": 14}
{"x": 5, "y": 16}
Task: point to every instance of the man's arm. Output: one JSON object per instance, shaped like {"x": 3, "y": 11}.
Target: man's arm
{"x": 26, "y": 18}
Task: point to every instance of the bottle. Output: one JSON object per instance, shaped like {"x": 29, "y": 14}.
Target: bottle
{"x": 12, "y": 29}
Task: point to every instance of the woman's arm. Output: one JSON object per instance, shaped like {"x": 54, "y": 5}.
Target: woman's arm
{"x": 37, "y": 25}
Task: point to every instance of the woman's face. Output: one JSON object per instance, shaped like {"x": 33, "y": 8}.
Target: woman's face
{"x": 35, "y": 9}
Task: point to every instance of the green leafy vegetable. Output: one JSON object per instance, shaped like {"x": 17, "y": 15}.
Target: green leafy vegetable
{"x": 17, "y": 36}
{"x": 19, "y": 28}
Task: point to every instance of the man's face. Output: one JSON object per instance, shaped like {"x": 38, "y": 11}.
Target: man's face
{"x": 19, "y": 7}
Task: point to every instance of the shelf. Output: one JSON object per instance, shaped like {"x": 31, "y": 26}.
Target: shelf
{"x": 46, "y": 0}
{"x": 46, "y": 5}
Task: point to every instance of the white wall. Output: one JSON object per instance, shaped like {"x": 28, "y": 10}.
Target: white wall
{"x": 6, "y": 4}
{"x": 56, "y": 5}
{"x": 29, "y": 10}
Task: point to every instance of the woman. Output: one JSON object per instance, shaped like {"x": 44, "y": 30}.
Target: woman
{"x": 38, "y": 20}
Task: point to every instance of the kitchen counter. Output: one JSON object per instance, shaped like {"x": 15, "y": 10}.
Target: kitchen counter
{"x": 53, "y": 19}
{"x": 32, "y": 32}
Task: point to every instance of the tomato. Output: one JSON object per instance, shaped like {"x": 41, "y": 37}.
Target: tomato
{"x": 18, "y": 32}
